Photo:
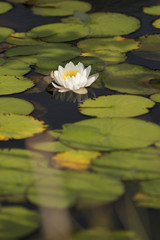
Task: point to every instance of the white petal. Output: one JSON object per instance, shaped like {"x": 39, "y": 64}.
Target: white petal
{"x": 56, "y": 86}
{"x": 91, "y": 79}
{"x": 88, "y": 70}
{"x": 71, "y": 65}
{"x": 60, "y": 69}
{"x": 69, "y": 82}
{"x": 57, "y": 77}
{"x": 80, "y": 67}
{"x": 81, "y": 91}
{"x": 63, "y": 90}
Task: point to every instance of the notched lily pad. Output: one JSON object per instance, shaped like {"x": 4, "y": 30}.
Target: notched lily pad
{"x": 15, "y": 105}
{"x": 155, "y": 97}
{"x": 17, "y": 217}
{"x": 5, "y": 32}
{"x": 156, "y": 23}
{"x": 14, "y": 84}
{"x": 130, "y": 78}
{"x": 116, "y": 106}
{"x": 19, "y": 126}
{"x": 54, "y": 146}
{"x": 62, "y": 8}
{"x": 105, "y": 134}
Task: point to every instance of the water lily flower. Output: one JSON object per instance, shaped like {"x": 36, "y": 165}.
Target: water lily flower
{"x": 73, "y": 78}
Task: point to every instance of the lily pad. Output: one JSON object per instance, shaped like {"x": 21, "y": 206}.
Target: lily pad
{"x": 5, "y": 32}
{"x": 62, "y": 8}
{"x": 130, "y": 165}
{"x": 119, "y": 44}
{"x": 116, "y": 106}
{"x": 145, "y": 200}
{"x": 103, "y": 234}
{"x": 14, "y": 84}
{"x": 5, "y": 7}
{"x": 152, "y": 10}
{"x": 50, "y": 147}
{"x": 155, "y": 97}
{"x": 105, "y": 134}
{"x": 14, "y": 67}
{"x": 87, "y": 189}
{"x": 15, "y": 105}
{"x": 59, "y": 32}
{"x": 149, "y": 43}
{"x": 18, "y": 40}
{"x": 109, "y": 24}
{"x": 17, "y": 217}
{"x": 19, "y": 126}
{"x": 74, "y": 159}
{"x": 156, "y": 23}
{"x": 130, "y": 78}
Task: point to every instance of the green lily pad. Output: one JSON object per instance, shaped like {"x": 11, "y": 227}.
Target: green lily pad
{"x": 130, "y": 78}
{"x": 152, "y": 10}
{"x": 5, "y": 7}
{"x": 19, "y": 126}
{"x": 87, "y": 189}
{"x": 149, "y": 195}
{"x": 15, "y": 105}
{"x": 149, "y": 43}
{"x": 156, "y": 23}
{"x": 17, "y": 217}
{"x": 14, "y": 84}
{"x": 22, "y": 40}
{"x": 5, "y": 32}
{"x": 155, "y": 97}
{"x": 105, "y": 134}
{"x": 50, "y": 147}
{"x": 116, "y": 106}
{"x": 113, "y": 44}
{"x": 14, "y": 67}
{"x": 62, "y": 8}
{"x": 59, "y": 32}
{"x": 130, "y": 165}
{"x": 103, "y": 234}
{"x": 109, "y": 24}
{"x": 2, "y": 61}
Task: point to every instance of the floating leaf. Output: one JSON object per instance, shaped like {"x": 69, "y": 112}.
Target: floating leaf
{"x": 50, "y": 147}
{"x": 156, "y": 23}
{"x": 150, "y": 194}
{"x": 62, "y": 8}
{"x": 14, "y": 67}
{"x": 17, "y": 39}
{"x": 17, "y": 222}
{"x": 149, "y": 43}
{"x": 130, "y": 78}
{"x": 2, "y": 61}
{"x": 130, "y": 165}
{"x": 155, "y": 97}
{"x": 5, "y": 32}
{"x": 14, "y": 84}
{"x": 5, "y": 7}
{"x": 103, "y": 234}
{"x": 15, "y": 105}
{"x": 105, "y": 134}
{"x": 119, "y": 44}
{"x": 59, "y": 32}
{"x": 152, "y": 10}
{"x": 19, "y": 126}
{"x": 116, "y": 106}
{"x": 74, "y": 159}
{"x": 87, "y": 189}
{"x": 109, "y": 24}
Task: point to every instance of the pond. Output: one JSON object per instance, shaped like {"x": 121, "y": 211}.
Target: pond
{"x": 80, "y": 149}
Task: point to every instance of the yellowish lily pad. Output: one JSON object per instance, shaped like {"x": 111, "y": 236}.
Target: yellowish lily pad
{"x": 152, "y": 10}
{"x": 5, "y": 7}
{"x": 5, "y": 32}
{"x": 19, "y": 126}
{"x": 74, "y": 159}
{"x": 116, "y": 106}
{"x": 156, "y": 23}
{"x": 155, "y": 97}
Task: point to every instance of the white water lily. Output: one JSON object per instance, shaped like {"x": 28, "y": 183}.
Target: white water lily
{"x": 73, "y": 78}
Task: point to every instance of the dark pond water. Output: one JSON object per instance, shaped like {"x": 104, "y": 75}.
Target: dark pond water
{"x": 121, "y": 214}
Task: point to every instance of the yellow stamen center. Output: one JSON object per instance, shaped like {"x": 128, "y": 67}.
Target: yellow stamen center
{"x": 70, "y": 73}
